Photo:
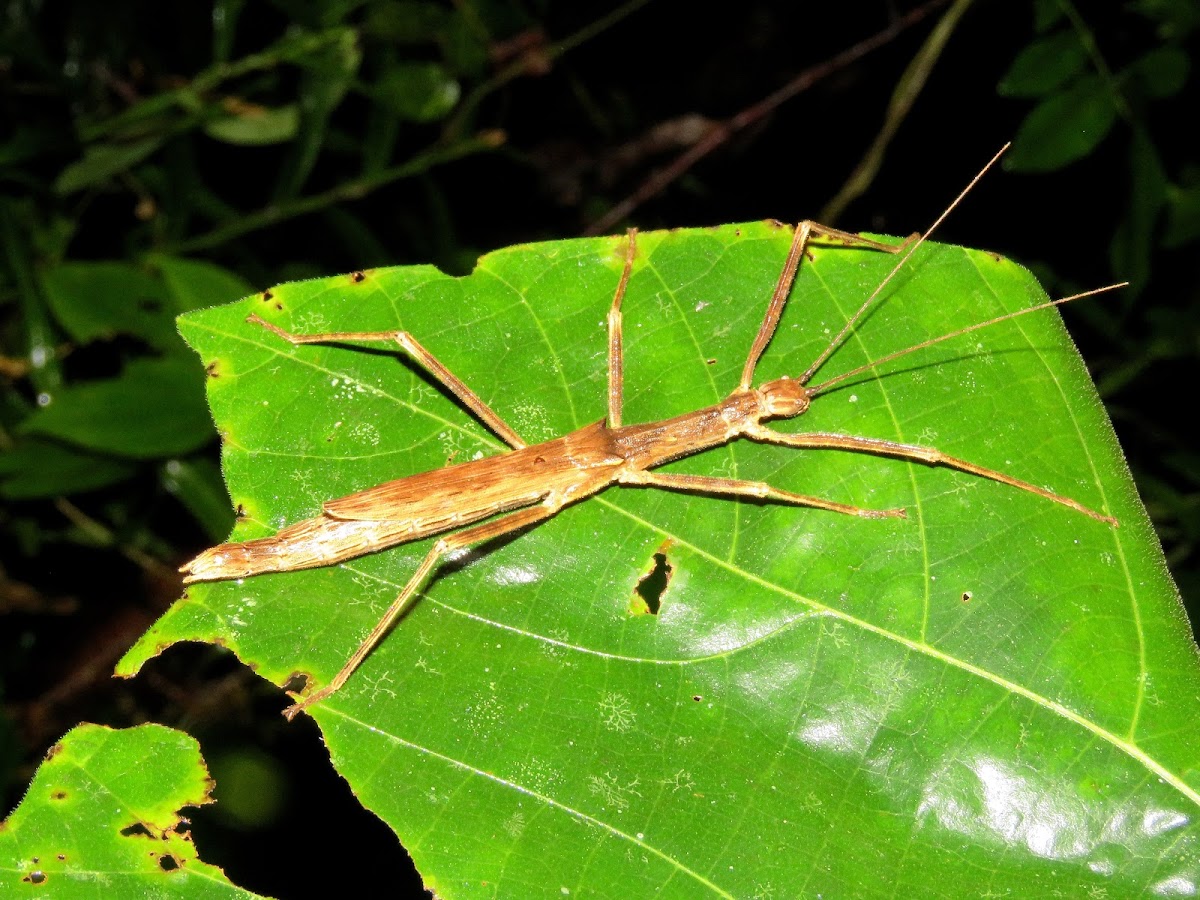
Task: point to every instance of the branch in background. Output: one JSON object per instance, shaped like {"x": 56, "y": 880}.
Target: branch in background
{"x": 534, "y": 60}
{"x": 105, "y": 537}
{"x": 720, "y": 132}
{"x": 348, "y": 190}
{"x": 912, "y": 82}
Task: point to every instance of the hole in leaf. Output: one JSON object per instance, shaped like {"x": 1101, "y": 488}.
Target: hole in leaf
{"x": 168, "y": 863}
{"x": 36, "y": 877}
{"x": 137, "y": 828}
{"x": 651, "y": 586}
{"x": 297, "y": 682}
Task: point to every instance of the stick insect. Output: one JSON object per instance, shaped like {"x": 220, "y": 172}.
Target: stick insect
{"x": 474, "y": 502}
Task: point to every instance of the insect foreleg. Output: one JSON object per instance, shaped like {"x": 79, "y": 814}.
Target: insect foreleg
{"x": 732, "y": 487}
{"x": 805, "y": 231}
{"x": 616, "y": 353}
{"x": 928, "y": 455}
{"x": 422, "y": 358}
{"x": 509, "y": 523}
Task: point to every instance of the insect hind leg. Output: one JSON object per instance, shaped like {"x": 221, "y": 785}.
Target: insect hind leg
{"x": 757, "y": 490}
{"x": 419, "y": 355}
{"x": 515, "y": 521}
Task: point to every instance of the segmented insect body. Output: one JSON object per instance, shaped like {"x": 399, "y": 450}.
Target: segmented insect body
{"x": 472, "y": 502}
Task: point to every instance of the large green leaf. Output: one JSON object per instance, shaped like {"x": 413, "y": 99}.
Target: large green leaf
{"x": 997, "y": 694}
{"x": 101, "y": 819}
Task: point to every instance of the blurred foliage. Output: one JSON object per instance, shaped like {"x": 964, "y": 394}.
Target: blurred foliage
{"x": 1099, "y": 93}
{"x": 155, "y": 158}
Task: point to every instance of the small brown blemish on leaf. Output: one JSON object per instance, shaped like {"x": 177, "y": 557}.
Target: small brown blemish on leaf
{"x": 267, "y": 296}
{"x": 213, "y": 369}
{"x": 966, "y": 596}
{"x": 697, "y": 697}
{"x": 711, "y": 362}
{"x": 59, "y": 795}
{"x": 61, "y": 857}
{"x": 240, "y": 511}
{"x": 358, "y": 277}
{"x": 54, "y": 750}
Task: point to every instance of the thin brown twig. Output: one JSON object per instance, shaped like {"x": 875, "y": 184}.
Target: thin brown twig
{"x": 104, "y": 535}
{"x": 721, "y": 132}
{"x": 908, "y": 88}
{"x": 458, "y": 122}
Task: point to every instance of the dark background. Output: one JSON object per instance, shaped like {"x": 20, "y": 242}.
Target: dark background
{"x": 563, "y": 111}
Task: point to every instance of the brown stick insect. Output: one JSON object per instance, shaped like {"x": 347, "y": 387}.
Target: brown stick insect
{"x": 521, "y": 488}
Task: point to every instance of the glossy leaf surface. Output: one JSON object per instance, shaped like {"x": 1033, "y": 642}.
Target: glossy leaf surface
{"x": 996, "y": 694}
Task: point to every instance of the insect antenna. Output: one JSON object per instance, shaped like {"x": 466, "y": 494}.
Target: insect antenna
{"x": 826, "y": 385}
{"x": 904, "y": 257}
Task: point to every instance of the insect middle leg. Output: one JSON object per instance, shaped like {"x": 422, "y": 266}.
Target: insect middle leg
{"x": 523, "y": 518}
{"x": 422, "y": 358}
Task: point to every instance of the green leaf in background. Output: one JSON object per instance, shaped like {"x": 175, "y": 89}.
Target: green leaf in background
{"x": 1047, "y": 14}
{"x": 101, "y": 818}
{"x": 1161, "y": 73}
{"x": 101, "y": 162}
{"x": 196, "y": 283}
{"x": 996, "y": 694}
{"x": 255, "y": 126}
{"x": 36, "y": 468}
{"x": 98, "y": 300}
{"x": 1183, "y": 215}
{"x": 1044, "y": 66}
{"x": 420, "y": 92}
{"x": 108, "y": 415}
{"x": 1064, "y": 127}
